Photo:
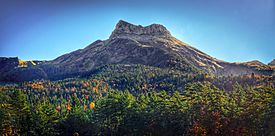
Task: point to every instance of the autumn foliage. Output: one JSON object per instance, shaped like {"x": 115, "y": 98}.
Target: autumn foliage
{"x": 97, "y": 107}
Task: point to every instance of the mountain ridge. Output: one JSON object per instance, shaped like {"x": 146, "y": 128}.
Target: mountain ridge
{"x": 151, "y": 45}
{"x": 124, "y": 28}
{"x": 272, "y": 63}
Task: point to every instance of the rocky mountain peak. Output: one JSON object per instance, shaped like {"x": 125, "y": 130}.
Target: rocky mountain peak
{"x": 124, "y": 28}
{"x": 129, "y": 44}
{"x": 272, "y": 63}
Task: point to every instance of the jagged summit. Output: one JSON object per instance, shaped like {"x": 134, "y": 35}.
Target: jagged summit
{"x": 124, "y": 28}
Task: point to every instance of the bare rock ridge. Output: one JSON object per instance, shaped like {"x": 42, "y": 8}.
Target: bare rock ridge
{"x": 124, "y": 28}
{"x": 131, "y": 44}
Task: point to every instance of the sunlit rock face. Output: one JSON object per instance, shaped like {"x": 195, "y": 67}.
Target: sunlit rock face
{"x": 151, "y": 45}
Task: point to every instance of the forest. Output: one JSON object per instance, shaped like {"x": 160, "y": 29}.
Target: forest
{"x": 143, "y": 101}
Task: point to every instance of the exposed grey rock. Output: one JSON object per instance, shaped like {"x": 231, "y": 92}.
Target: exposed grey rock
{"x": 125, "y": 29}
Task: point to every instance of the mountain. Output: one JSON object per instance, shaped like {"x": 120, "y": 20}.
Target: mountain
{"x": 259, "y": 66}
{"x": 131, "y": 44}
{"x": 272, "y": 63}
{"x": 152, "y": 45}
{"x": 14, "y": 69}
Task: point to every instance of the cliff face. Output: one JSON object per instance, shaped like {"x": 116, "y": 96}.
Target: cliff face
{"x": 151, "y": 45}
{"x": 125, "y": 29}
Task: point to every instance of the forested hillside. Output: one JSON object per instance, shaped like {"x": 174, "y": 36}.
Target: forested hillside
{"x": 119, "y": 101}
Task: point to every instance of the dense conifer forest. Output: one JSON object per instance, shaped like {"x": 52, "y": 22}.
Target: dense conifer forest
{"x": 140, "y": 100}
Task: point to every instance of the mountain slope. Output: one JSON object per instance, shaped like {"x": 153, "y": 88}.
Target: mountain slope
{"x": 14, "y": 69}
{"x": 151, "y": 45}
{"x": 272, "y": 63}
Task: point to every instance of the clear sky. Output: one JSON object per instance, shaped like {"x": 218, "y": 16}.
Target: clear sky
{"x": 231, "y": 30}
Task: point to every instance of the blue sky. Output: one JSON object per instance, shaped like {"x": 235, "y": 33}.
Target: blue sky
{"x": 235, "y": 30}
